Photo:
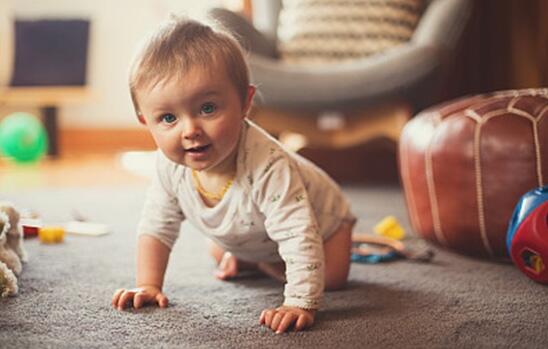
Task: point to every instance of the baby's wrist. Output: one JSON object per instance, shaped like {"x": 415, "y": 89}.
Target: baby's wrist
{"x": 300, "y": 303}
{"x": 145, "y": 286}
{"x": 310, "y": 310}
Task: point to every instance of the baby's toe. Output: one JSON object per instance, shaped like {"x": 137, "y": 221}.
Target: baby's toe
{"x": 228, "y": 268}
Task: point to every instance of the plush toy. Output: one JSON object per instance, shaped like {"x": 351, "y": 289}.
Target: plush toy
{"x": 8, "y": 281}
{"x": 12, "y": 253}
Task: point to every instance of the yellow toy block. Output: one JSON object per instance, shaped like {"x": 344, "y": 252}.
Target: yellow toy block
{"x": 51, "y": 235}
{"x": 390, "y": 227}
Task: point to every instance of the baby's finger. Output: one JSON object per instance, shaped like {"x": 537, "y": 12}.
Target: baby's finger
{"x": 268, "y": 316}
{"x": 287, "y": 320}
{"x": 125, "y": 298}
{"x": 140, "y": 299}
{"x": 302, "y": 323}
{"x": 162, "y": 300}
{"x": 262, "y": 318}
{"x": 116, "y": 296}
{"x": 276, "y": 321}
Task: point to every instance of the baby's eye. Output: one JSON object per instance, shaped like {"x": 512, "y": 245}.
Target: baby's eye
{"x": 208, "y": 108}
{"x": 168, "y": 118}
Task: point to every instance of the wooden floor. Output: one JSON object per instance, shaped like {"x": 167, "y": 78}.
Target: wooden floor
{"x": 68, "y": 171}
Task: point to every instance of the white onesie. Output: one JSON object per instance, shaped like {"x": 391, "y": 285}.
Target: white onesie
{"x": 279, "y": 207}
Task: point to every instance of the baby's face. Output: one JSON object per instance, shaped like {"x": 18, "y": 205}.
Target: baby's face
{"x": 195, "y": 121}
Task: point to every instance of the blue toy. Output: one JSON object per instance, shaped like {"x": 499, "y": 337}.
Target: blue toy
{"x": 375, "y": 249}
{"x": 527, "y": 238}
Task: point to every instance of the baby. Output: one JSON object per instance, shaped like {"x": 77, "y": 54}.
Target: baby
{"x": 262, "y": 206}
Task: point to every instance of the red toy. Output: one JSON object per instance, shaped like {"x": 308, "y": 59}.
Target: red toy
{"x": 30, "y": 227}
{"x": 528, "y": 235}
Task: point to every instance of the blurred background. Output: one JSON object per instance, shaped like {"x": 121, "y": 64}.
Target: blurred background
{"x": 115, "y": 29}
{"x": 503, "y": 45}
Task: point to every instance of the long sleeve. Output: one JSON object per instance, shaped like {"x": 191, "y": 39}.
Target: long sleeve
{"x": 290, "y": 221}
{"x": 161, "y": 215}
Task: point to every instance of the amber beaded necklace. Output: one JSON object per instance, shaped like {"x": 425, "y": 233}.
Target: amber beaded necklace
{"x": 212, "y": 196}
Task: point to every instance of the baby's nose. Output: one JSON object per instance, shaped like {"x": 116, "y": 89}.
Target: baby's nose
{"x": 191, "y": 129}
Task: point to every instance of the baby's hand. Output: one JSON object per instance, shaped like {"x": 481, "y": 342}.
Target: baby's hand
{"x": 138, "y": 297}
{"x": 281, "y": 318}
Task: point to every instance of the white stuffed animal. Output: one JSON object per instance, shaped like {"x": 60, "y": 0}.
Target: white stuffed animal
{"x": 12, "y": 253}
{"x": 8, "y": 281}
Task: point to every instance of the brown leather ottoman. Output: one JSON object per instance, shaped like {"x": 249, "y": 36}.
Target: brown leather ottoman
{"x": 465, "y": 164}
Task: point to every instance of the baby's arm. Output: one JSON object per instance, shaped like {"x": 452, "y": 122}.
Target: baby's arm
{"x": 152, "y": 259}
{"x": 158, "y": 230}
{"x": 290, "y": 221}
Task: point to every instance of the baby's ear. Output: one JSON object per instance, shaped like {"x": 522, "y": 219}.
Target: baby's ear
{"x": 250, "y": 93}
{"x": 141, "y": 119}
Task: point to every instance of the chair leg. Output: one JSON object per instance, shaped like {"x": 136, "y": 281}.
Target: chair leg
{"x": 355, "y": 127}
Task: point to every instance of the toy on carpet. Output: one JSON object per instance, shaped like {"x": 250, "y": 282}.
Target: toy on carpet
{"x": 30, "y": 223}
{"x": 375, "y": 249}
{"x": 386, "y": 245}
{"x": 527, "y": 237}
{"x": 390, "y": 227}
{"x": 86, "y": 228}
{"x": 23, "y": 138}
{"x": 51, "y": 234}
{"x": 30, "y": 227}
{"x": 12, "y": 253}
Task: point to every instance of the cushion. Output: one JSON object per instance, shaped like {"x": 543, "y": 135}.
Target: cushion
{"x": 466, "y": 163}
{"x": 331, "y": 31}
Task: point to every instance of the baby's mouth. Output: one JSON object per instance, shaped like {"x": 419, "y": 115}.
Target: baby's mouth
{"x": 199, "y": 149}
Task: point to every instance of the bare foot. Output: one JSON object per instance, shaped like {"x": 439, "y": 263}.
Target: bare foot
{"x": 227, "y": 268}
{"x": 230, "y": 266}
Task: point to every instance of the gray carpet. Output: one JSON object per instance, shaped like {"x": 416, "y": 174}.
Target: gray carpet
{"x": 65, "y": 291}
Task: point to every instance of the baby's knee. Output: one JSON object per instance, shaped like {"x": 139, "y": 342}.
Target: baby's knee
{"x": 335, "y": 282}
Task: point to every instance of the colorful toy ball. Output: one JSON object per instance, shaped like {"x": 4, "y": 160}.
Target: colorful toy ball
{"x": 527, "y": 238}
{"x": 23, "y": 138}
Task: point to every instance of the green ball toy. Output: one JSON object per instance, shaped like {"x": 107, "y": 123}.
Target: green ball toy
{"x": 23, "y": 138}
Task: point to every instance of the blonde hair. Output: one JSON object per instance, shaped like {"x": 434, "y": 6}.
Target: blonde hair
{"x": 180, "y": 44}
